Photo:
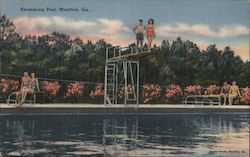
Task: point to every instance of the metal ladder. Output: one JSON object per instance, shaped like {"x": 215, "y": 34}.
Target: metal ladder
{"x": 121, "y": 72}
{"x": 110, "y": 83}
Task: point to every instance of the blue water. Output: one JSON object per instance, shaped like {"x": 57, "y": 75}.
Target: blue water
{"x": 125, "y": 135}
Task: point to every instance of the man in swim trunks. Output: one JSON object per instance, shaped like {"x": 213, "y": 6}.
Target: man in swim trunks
{"x": 24, "y": 86}
{"x": 139, "y": 30}
{"x": 225, "y": 92}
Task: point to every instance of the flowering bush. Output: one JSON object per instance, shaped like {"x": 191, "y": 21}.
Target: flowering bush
{"x": 8, "y": 86}
{"x": 52, "y": 88}
{"x": 131, "y": 90}
{"x": 151, "y": 92}
{"x": 196, "y": 89}
{"x": 75, "y": 89}
{"x": 98, "y": 92}
{"x": 246, "y": 95}
{"x": 173, "y": 93}
{"x": 213, "y": 89}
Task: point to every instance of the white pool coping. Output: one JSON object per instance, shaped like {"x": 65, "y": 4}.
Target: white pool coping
{"x": 143, "y": 106}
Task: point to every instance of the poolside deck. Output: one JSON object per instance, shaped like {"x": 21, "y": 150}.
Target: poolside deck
{"x": 64, "y": 108}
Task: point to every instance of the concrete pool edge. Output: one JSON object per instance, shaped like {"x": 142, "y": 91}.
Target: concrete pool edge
{"x": 63, "y": 108}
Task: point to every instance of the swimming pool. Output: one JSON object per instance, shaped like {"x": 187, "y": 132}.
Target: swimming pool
{"x": 169, "y": 134}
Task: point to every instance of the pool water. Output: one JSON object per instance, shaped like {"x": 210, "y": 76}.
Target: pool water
{"x": 125, "y": 135}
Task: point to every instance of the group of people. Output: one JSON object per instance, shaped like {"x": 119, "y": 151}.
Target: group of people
{"x": 140, "y": 30}
{"x": 230, "y": 92}
{"x": 29, "y": 84}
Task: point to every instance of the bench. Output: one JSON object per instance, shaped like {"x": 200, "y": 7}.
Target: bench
{"x": 31, "y": 95}
{"x": 203, "y": 99}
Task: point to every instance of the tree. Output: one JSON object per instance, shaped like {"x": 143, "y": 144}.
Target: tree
{"x": 56, "y": 55}
{"x": 7, "y": 28}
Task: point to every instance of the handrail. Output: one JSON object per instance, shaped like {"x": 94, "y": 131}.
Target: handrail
{"x": 120, "y": 50}
{"x": 52, "y": 79}
{"x": 86, "y": 82}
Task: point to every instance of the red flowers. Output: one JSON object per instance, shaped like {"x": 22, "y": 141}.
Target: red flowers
{"x": 151, "y": 92}
{"x": 52, "y": 88}
{"x": 131, "y": 90}
{"x": 173, "y": 94}
{"x": 196, "y": 89}
{"x": 8, "y": 85}
{"x": 173, "y": 90}
{"x": 98, "y": 92}
{"x": 246, "y": 95}
{"x": 75, "y": 89}
{"x": 213, "y": 89}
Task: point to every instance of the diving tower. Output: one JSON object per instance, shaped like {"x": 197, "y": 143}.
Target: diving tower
{"x": 122, "y": 75}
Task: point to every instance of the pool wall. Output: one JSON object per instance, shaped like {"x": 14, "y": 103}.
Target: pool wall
{"x": 99, "y": 108}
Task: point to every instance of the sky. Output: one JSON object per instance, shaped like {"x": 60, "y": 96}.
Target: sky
{"x": 205, "y": 22}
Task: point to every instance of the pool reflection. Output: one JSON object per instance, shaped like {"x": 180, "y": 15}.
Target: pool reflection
{"x": 125, "y": 135}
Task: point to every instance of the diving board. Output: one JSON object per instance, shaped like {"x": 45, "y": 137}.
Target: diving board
{"x": 117, "y": 53}
{"x": 130, "y": 55}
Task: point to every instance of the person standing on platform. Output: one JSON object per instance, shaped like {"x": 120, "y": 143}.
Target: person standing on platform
{"x": 139, "y": 31}
{"x": 150, "y": 33}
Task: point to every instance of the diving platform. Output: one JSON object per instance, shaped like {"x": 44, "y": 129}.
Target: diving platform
{"x": 118, "y": 53}
{"x": 122, "y": 75}
{"x": 131, "y": 55}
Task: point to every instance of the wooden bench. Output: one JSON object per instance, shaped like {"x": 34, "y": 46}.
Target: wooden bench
{"x": 214, "y": 99}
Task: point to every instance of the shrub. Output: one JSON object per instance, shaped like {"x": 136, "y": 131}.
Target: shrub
{"x": 196, "y": 89}
{"x": 151, "y": 92}
{"x": 75, "y": 89}
{"x": 246, "y": 95}
{"x": 98, "y": 92}
{"x": 131, "y": 90}
{"x": 213, "y": 89}
{"x": 51, "y": 88}
{"x": 8, "y": 86}
{"x": 174, "y": 94}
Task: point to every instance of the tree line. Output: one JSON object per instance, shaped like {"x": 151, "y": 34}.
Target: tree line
{"x": 57, "y": 55}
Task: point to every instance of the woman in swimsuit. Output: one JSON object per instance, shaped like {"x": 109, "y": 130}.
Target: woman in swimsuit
{"x": 150, "y": 33}
{"x": 33, "y": 86}
{"x": 233, "y": 92}
{"x": 34, "y": 83}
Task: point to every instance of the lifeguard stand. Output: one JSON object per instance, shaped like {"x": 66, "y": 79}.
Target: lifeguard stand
{"x": 122, "y": 75}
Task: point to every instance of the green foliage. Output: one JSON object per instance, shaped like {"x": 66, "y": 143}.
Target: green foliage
{"x": 56, "y": 55}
